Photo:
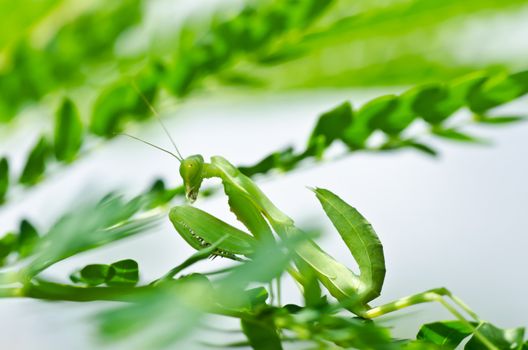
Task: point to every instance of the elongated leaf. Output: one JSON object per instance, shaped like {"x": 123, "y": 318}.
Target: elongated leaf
{"x": 4, "y": 179}
{"x": 360, "y": 238}
{"x": 449, "y": 334}
{"x": 27, "y": 239}
{"x": 68, "y": 131}
{"x": 455, "y": 135}
{"x": 500, "y": 120}
{"x": 262, "y": 334}
{"x": 126, "y": 274}
{"x": 503, "y": 339}
{"x": 421, "y": 147}
{"x": 36, "y": 163}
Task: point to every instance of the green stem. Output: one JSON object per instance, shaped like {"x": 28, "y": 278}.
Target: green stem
{"x": 55, "y": 291}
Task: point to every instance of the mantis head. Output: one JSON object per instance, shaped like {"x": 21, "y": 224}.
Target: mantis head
{"x": 191, "y": 171}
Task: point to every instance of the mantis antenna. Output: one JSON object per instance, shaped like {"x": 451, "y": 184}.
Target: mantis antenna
{"x": 152, "y": 145}
{"x": 156, "y": 114}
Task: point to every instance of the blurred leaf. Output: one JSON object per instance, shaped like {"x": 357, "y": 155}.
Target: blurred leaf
{"x": 8, "y": 244}
{"x": 421, "y": 147}
{"x": 503, "y": 339}
{"x": 449, "y": 334}
{"x": 455, "y": 135}
{"x": 284, "y": 159}
{"x": 4, "y": 179}
{"x": 126, "y": 273}
{"x": 73, "y": 46}
{"x": 27, "y": 239}
{"x": 500, "y": 120}
{"x": 161, "y": 316}
{"x": 493, "y": 91}
{"x": 68, "y": 131}
{"x": 330, "y": 126}
{"x": 36, "y": 163}
{"x": 262, "y": 334}
{"x": 434, "y": 104}
{"x": 124, "y": 101}
{"x": 88, "y": 226}
{"x": 359, "y": 237}
{"x": 93, "y": 275}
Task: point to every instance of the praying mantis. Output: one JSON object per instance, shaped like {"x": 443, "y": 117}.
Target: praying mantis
{"x": 265, "y": 222}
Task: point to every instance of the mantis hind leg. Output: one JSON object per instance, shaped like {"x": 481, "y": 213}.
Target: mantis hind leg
{"x": 434, "y": 295}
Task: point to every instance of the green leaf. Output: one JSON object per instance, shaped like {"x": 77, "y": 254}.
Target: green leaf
{"x": 4, "y": 179}
{"x": 126, "y": 274}
{"x": 123, "y": 101}
{"x": 398, "y": 116}
{"x": 421, "y": 147}
{"x": 447, "y": 333}
{"x": 27, "y": 239}
{"x": 366, "y": 120}
{"x": 36, "y": 163}
{"x": 8, "y": 244}
{"x": 495, "y": 90}
{"x": 434, "y": 104}
{"x": 455, "y": 135}
{"x": 93, "y": 275}
{"x": 360, "y": 238}
{"x": 162, "y": 315}
{"x": 68, "y": 131}
{"x": 330, "y": 126}
{"x": 88, "y": 226}
{"x": 503, "y": 339}
{"x": 500, "y": 120}
{"x": 262, "y": 334}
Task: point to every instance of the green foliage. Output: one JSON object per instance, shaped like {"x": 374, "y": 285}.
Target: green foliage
{"x": 261, "y": 335}
{"x": 4, "y": 179}
{"x": 124, "y": 273}
{"x": 359, "y": 237}
{"x": 68, "y": 132}
{"x": 103, "y": 222}
{"x": 27, "y": 239}
{"x": 36, "y": 163}
{"x": 448, "y": 334}
{"x": 89, "y": 38}
{"x": 265, "y": 44}
{"x": 124, "y": 101}
{"x": 392, "y": 115}
{"x": 502, "y": 338}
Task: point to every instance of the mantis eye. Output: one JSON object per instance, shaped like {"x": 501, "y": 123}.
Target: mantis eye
{"x": 191, "y": 172}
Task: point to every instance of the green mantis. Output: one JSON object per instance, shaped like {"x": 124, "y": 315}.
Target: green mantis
{"x": 266, "y": 222}
{"x": 261, "y": 217}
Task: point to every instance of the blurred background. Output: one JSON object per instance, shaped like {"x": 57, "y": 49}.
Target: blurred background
{"x": 458, "y": 220}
